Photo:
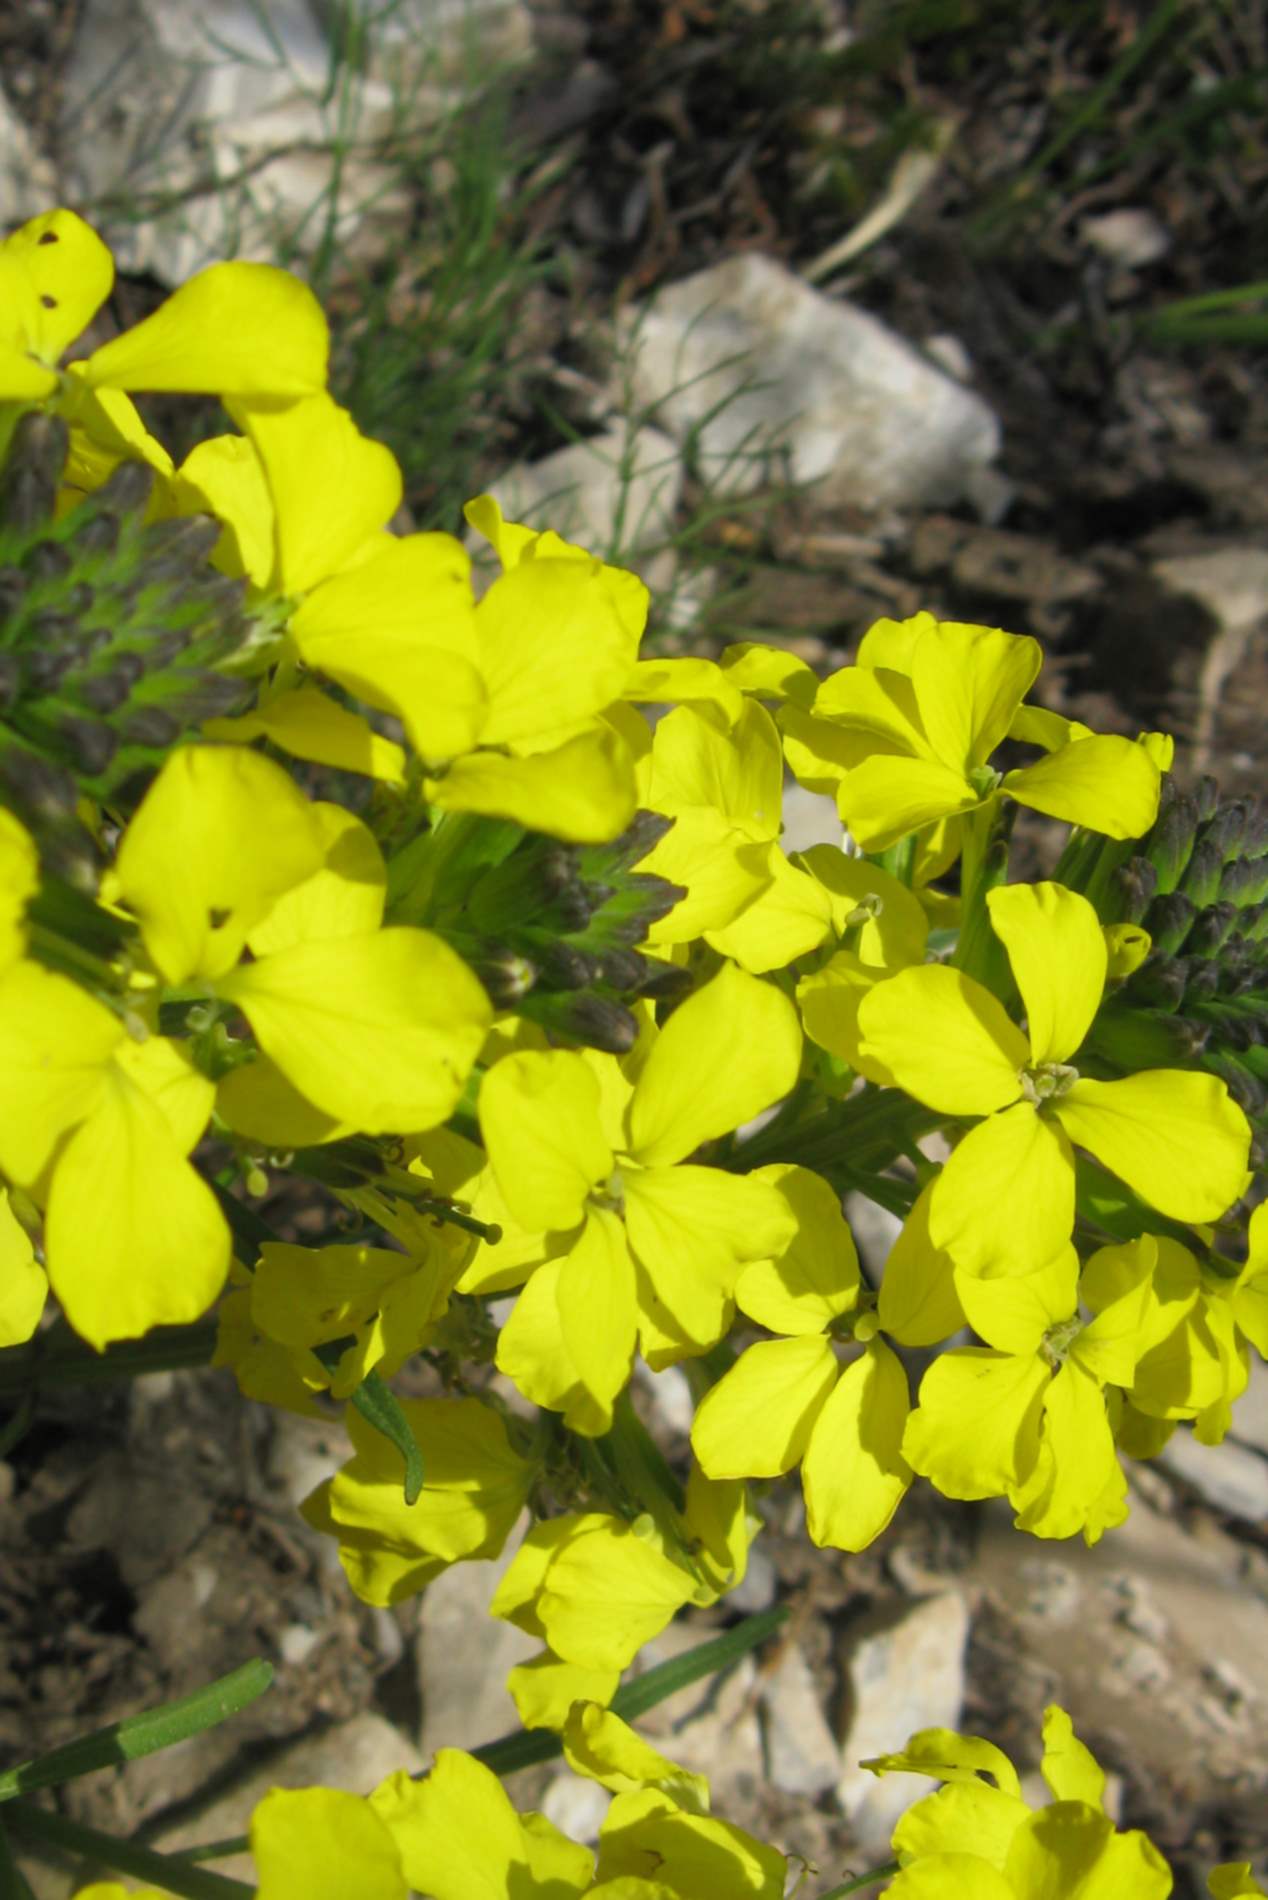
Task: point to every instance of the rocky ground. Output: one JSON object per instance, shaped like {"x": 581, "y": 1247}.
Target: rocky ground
{"x": 1021, "y": 451}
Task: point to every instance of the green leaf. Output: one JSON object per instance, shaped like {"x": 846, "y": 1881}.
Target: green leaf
{"x": 143, "y": 1734}
{"x": 378, "y": 1406}
{"x": 164, "y": 1871}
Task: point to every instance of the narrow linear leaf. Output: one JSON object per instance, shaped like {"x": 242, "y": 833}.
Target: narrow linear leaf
{"x": 164, "y": 1871}
{"x": 379, "y": 1407}
{"x": 143, "y": 1734}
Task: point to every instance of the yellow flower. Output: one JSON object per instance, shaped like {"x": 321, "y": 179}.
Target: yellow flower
{"x": 645, "y": 1244}
{"x": 979, "y": 1840}
{"x": 1005, "y": 1199}
{"x": 905, "y": 736}
{"x": 787, "y": 1401}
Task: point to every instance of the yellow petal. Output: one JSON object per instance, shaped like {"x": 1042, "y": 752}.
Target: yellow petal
{"x": 884, "y": 799}
{"x": 854, "y": 1473}
{"x": 582, "y": 791}
{"x": 344, "y": 898}
{"x": 456, "y": 1832}
{"x": 1069, "y": 1768}
{"x": 544, "y": 1689}
{"x": 607, "y": 1592}
{"x": 597, "y": 1312}
{"x": 725, "y": 1054}
{"x": 951, "y": 1877}
{"x": 332, "y": 487}
{"x": 969, "y": 682}
{"x": 397, "y": 629}
{"x": 539, "y": 1119}
{"x": 976, "y": 1428}
{"x": 602, "y": 1747}
{"x": 1175, "y": 1136}
{"x": 165, "y": 1071}
{"x": 692, "y": 1229}
{"x": 1004, "y": 1202}
{"x": 1058, "y": 955}
{"x": 55, "y": 1041}
{"x": 965, "y": 1817}
{"x": 256, "y": 1100}
{"x": 23, "y": 1286}
{"x": 324, "y": 1844}
{"x": 816, "y": 1277}
{"x": 225, "y": 477}
{"x": 700, "y": 760}
{"x": 531, "y": 1352}
{"x": 885, "y": 923}
{"x": 1072, "y": 1849}
{"x": 791, "y": 917}
{"x": 918, "y": 1303}
{"x": 124, "y": 1205}
{"x": 718, "y": 867}
{"x": 55, "y": 274}
{"x": 768, "y": 672}
{"x": 553, "y": 649}
{"x": 380, "y": 1030}
{"x": 219, "y": 836}
{"x": 756, "y": 1421}
{"x": 309, "y": 725}
{"x": 944, "y": 1039}
{"x": 1013, "y": 1311}
{"x": 1107, "y": 783}
{"x": 244, "y": 330}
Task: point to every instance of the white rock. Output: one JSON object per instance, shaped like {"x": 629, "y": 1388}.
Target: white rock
{"x": 28, "y": 180}
{"x": 576, "y": 1806}
{"x": 765, "y": 377}
{"x": 428, "y": 51}
{"x": 802, "y": 1756}
{"x": 1231, "y": 582}
{"x": 1129, "y": 237}
{"x": 1250, "y": 1412}
{"x": 1232, "y": 1477}
{"x": 902, "y": 1676}
{"x": 875, "y": 1230}
{"x": 222, "y": 112}
{"x": 463, "y": 1657}
{"x": 809, "y": 818}
{"x": 613, "y": 493}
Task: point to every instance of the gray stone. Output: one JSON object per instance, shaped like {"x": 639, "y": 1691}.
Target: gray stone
{"x": 809, "y": 818}
{"x": 1129, "y": 237}
{"x": 802, "y": 1756}
{"x": 904, "y": 1672}
{"x": 711, "y": 1727}
{"x": 576, "y": 1805}
{"x": 1231, "y": 1477}
{"x": 217, "y": 121}
{"x": 1159, "y": 1651}
{"x": 766, "y": 378}
{"x": 614, "y": 493}
{"x": 1250, "y": 1412}
{"x": 463, "y": 1657}
{"x": 1232, "y": 584}
{"x": 28, "y": 181}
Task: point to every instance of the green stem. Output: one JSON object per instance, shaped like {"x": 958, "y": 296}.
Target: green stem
{"x": 143, "y": 1734}
{"x": 69, "y": 1362}
{"x": 860, "y": 1881}
{"x": 122, "y": 1857}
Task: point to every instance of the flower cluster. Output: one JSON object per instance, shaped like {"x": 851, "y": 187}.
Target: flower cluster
{"x": 331, "y": 867}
